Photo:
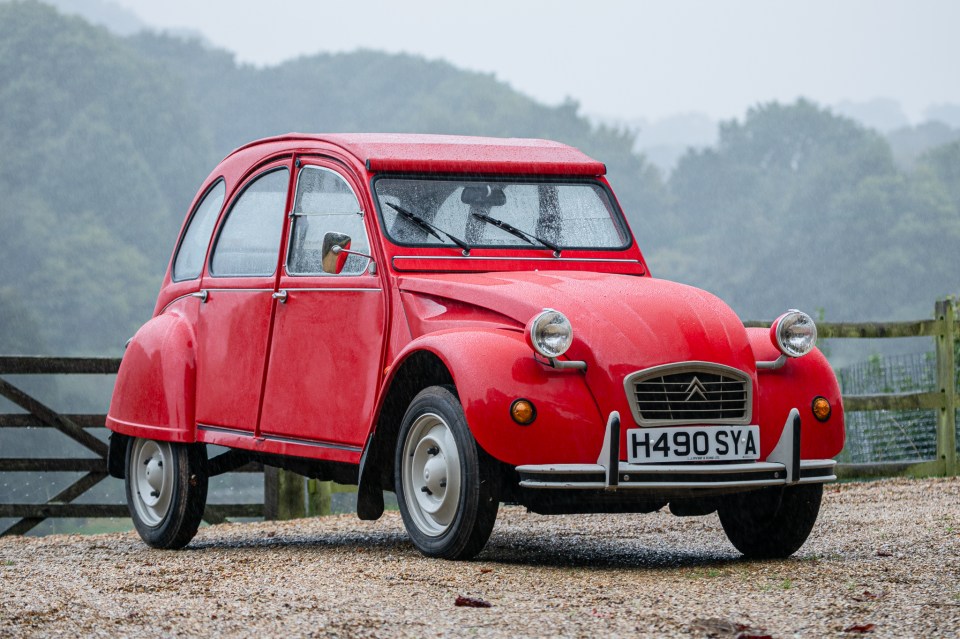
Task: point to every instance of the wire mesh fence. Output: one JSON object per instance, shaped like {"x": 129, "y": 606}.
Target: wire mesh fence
{"x": 890, "y": 435}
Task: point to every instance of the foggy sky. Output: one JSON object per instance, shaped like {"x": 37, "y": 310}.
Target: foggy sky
{"x": 621, "y": 59}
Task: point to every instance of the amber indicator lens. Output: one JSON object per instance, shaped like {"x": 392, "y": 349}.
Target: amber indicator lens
{"x": 821, "y": 408}
{"x": 523, "y": 412}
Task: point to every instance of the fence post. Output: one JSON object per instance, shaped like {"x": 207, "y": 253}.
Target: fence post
{"x": 947, "y": 382}
{"x": 284, "y": 494}
{"x": 270, "y": 505}
{"x": 319, "y": 497}
{"x": 291, "y": 502}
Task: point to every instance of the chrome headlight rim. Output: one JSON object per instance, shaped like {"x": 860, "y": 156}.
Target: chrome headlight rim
{"x": 546, "y": 344}
{"x": 794, "y": 333}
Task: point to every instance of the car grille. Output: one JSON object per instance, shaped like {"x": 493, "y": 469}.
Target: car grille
{"x": 683, "y": 394}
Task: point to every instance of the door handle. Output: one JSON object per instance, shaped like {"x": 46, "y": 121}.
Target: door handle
{"x": 281, "y": 296}
{"x": 202, "y": 295}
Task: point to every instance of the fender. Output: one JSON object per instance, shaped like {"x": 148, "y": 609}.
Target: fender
{"x": 155, "y": 392}
{"x": 795, "y": 385}
{"x": 491, "y": 368}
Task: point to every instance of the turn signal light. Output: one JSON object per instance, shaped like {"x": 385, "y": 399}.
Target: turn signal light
{"x": 523, "y": 412}
{"x": 821, "y": 408}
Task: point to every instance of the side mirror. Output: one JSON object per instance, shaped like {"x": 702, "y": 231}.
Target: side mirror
{"x": 334, "y": 252}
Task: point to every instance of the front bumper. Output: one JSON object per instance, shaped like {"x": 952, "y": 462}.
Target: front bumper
{"x": 782, "y": 467}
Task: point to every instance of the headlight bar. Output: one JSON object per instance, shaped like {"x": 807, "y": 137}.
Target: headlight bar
{"x": 549, "y": 333}
{"x": 794, "y": 334}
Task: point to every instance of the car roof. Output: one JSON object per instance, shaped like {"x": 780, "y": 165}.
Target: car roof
{"x": 448, "y": 153}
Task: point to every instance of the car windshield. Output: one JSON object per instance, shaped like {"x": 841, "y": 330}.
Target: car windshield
{"x": 552, "y": 215}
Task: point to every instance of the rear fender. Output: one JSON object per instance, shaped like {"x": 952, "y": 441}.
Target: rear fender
{"x": 155, "y": 392}
{"x": 795, "y": 385}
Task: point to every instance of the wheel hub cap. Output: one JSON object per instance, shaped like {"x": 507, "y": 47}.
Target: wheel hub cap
{"x": 435, "y": 475}
{"x": 431, "y": 474}
{"x": 150, "y": 474}
{"x": 154, "y": 478}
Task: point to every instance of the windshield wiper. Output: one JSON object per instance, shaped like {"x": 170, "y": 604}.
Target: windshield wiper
{"x": 512, "y": 230}
{"x": 428, "y": 227}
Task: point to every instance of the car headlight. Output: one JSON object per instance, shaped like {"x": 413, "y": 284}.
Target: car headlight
{"x": 794, "y": 333}
{"x": 550, "y": 333}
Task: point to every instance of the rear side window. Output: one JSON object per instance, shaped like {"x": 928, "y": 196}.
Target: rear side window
{"x": 249, "y": 241}
{"x": 193, "y": 248}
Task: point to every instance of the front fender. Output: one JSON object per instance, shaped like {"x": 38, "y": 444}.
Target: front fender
{"x": 795, "y": 385}
{"x": 154, "y": 394}
{"x": 491, "y": 368}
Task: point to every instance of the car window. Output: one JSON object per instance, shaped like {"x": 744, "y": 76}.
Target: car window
{"x": 193, "y": 248}
{"x": 249, "y": 241}
{"x": 325, "y": 203}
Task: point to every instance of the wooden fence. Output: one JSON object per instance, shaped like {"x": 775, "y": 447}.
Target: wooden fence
{"x": 81, "y": 429}
{"x": 287, "y": 495}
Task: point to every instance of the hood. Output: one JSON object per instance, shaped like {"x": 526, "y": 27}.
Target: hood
{"x": 621, "y": 323}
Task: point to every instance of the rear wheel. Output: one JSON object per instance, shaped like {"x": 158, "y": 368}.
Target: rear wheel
{"x": 166, "y": 487}
{"x": 442, "y": 479}
{"x": 771, "y": 523}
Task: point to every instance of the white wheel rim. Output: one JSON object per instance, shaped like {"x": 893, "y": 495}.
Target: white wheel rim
{"x": 151, "y": 477}
{"x": 431, "y": 474}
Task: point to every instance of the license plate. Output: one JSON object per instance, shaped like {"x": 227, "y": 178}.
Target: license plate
{"x": 693, "y": 443}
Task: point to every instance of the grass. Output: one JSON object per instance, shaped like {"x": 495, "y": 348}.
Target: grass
{"x": 781, "y": 584}
{"x": 706, "y": 573}
{"x": 91, "y": 526}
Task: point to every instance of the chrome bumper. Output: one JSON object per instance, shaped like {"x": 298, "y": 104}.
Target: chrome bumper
{"x": 783, "y": 467}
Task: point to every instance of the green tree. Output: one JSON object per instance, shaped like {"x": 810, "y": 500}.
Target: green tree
{"x": 101, "y": 157}
{"x": 795, "y": 207}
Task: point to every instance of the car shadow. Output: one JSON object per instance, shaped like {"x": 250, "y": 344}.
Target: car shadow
{"x": 503, "y": 548}
{"x": 600, "y": 552}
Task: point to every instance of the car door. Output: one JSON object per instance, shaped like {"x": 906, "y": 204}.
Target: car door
{"x": 237, "y": 294}
{"x": 325, "y": 357}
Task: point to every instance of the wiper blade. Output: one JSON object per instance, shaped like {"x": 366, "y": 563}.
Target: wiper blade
{"x": 512, "y": 230}
{"x": 428, "y": 227}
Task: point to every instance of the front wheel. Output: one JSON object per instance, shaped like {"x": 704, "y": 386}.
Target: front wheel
{"x": 443, "y": 480}
{"x": 771, "y": 523}
{"x": 166, "y": 487}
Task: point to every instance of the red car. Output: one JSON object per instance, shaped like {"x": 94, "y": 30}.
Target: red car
{"x": 463, "y": 321}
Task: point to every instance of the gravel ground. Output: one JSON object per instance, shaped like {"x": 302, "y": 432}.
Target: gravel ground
{"x": 883, "y": 561}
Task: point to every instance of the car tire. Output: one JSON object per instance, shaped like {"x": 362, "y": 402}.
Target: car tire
{"x": 771, "y": 523}
{"x": 443, "y": 479}
{"x": 166, "y": 486}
